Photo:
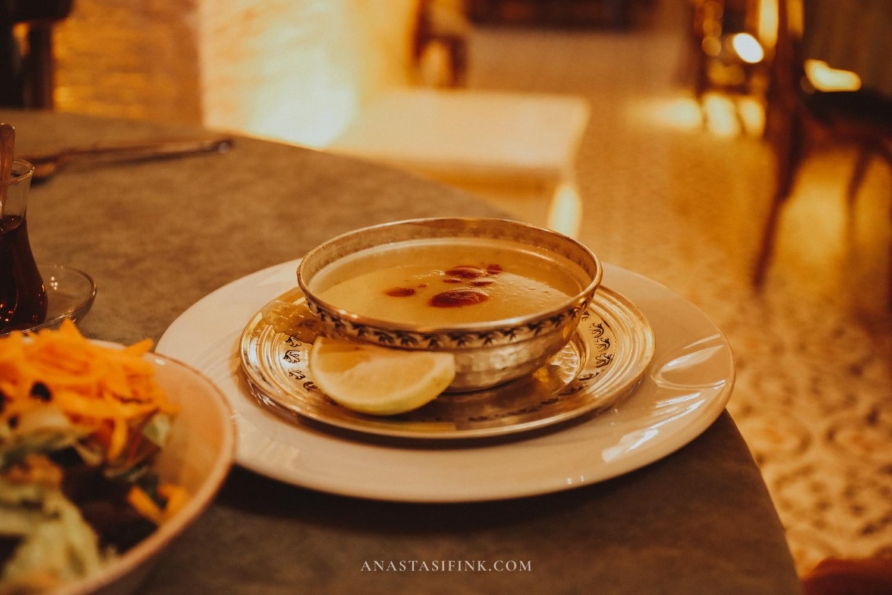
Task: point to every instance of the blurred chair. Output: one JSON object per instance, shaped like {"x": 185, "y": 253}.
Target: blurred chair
{"x": 726, "y": 54}
{"x": 440, "y": 48}
{"x": 796, "y": 109}
{"x": 518, "y": 147}
{"x": 26, "y": 70}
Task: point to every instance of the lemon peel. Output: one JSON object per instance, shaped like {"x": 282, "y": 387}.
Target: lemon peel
{"x": 379, "y": 380}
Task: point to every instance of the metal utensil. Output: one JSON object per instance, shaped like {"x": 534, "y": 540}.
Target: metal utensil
{"x": 7, "y": 147}
{"x": 47, "y": 165}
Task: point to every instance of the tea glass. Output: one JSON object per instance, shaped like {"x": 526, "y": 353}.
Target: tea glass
{"x": 23, "y": 297}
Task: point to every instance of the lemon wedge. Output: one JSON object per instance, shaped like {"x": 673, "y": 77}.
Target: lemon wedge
{"x": 377, "y": 380}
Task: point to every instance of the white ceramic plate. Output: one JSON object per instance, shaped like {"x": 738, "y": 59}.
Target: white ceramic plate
{"x": 683, "y": 391}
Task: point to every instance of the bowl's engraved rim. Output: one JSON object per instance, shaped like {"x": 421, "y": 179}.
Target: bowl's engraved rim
{"x": 348, "y": 319}
{"x": 634, "y": 350}
{"x": 451, "y": 338}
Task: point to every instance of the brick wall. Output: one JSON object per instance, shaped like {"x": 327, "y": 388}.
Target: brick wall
{"x": 298, "y": 70}
{"x": 129, "y": 59}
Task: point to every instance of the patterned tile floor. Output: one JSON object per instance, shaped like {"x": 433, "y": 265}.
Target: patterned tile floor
{"x": 683, "y": 205}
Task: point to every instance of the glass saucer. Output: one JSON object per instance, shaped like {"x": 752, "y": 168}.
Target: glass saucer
{"x": 601, "y": 365}
{"x": 70, "y": 294}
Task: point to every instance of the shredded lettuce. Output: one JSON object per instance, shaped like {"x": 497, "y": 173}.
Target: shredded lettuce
{"x": 56, "y": 546}
{"x": 157, "y": 429}
{"x": 39, "y": 431}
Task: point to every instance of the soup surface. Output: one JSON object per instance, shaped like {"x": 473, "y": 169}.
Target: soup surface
{"x": 449, "y": 281}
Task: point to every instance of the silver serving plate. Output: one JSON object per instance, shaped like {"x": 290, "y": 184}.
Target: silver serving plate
{"x": 601, "y": 364}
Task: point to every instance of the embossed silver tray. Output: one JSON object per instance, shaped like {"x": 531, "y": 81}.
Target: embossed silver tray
{"x": 601, "y": 364}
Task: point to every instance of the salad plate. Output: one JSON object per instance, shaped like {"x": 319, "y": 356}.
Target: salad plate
{"x": 681, "y": 393}
{"x": 601, "y": 364}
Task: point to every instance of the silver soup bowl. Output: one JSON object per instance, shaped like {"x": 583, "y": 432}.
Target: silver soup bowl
{"x": 486, "y": 353}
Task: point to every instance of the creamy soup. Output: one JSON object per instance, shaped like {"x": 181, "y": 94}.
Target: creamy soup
{"x": 447, "y": 282}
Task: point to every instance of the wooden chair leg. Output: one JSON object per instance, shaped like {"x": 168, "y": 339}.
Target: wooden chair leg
{"x": 768, "y": 235}
{"x": 788, "y": 154}
{"x": 889, "y": 288}
{"x": 884, "y": 152}
{"x": 40, "y": 83}
{"x": 858, "y": 174}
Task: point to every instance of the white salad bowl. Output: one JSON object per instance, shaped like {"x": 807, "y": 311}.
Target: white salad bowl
{"x": 197, "y": 457}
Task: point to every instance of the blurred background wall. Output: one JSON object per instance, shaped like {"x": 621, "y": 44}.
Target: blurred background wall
{"x": 129, "y": 59}
{"x": 299, "y": 70}
{"x": 296, "y": 70}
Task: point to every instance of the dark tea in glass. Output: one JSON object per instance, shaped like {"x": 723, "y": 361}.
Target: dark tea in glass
{"x": 23, "y": 299}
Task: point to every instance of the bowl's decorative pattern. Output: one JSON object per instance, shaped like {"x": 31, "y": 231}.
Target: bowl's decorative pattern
{"x": 343, "y": 326}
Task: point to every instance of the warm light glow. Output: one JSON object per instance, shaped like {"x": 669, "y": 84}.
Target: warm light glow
{"x": 721, "y": 115}
{"x": 767, "y": 23}
{"x": 726, "y": 75}
{"x": 565, "y": 212}
{"x": 678, "y": 113}
{"x": 752, "y": 113}
{"x": 311, "y": 110}
{"x": 824, "y": 78}
{"x": 299, "y": 71}
{"x": 796, "y": 16}
{"x": 711, "y": 46}
{"x": 748, "y": 48}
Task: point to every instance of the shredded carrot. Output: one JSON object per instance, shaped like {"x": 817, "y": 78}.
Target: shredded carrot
{"x": 110, "y": 390}
{"x": 144, "y": 505}
{"x": 176, "y": 497}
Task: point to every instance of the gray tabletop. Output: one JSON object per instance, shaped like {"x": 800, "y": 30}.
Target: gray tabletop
{"x": 158, "y": 236}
